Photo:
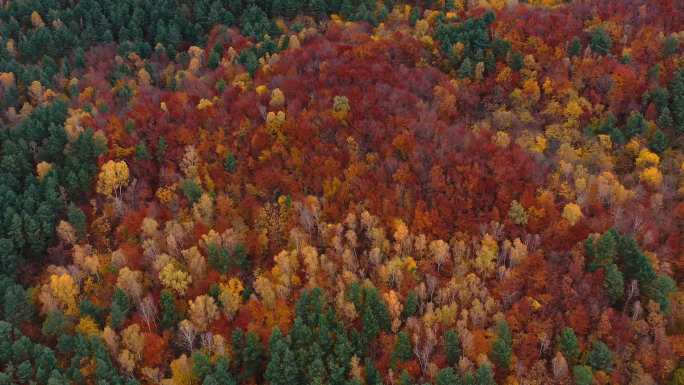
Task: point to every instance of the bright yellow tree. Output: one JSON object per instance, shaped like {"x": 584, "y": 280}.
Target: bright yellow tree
{"x": 113, "y": 178}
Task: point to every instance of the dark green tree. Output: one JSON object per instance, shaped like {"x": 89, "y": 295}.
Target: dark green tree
{"x": 169, "y": 314}
{"x": 613, "y": 283}
{"x": 575, "y": 47}
{"x": 120, "y": 307}
{"x": 502, "y": 349}
{"x": 600, "y": 357}
{"x": 600, "y": 42}
{"x": 403, "y": 350}
{"x": 582, "y": 375}
{"x": 452, "y": 346}
{"x": 568, "y": 345}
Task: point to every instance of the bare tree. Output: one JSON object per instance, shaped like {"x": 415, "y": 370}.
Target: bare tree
{"x": 148, "y": 311}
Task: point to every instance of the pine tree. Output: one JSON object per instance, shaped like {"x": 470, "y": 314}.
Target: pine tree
{"x": 120, "y": 308}
{"x": 447, "y": 376}
{"x": 568, "y": 345}
{"x": 403, "y": 350}
{"x": 466, "y": 68}
{"x": 575, "y": 48}
{"x": 613, "y": 283}
{"x": 677, "y": 91}
{"x": 169, "y": 314}
{"x": 484, "y": 375}
{"x": 372, "y": 375}
{"x": 452, "y": 346}
{"x": 600, "y": 41}
{"x": 503, "y": 346}
{"x": 600, "y": 357}
{"x": 517, "y": 61}
{"x": 582, "y": 375}
{"x": 252, "y": 355}
{"x": 16, "y": 308}
{"x": 658, "y": 142}
{"x": 636, "y": 125}
{"x": 411, "y": 306}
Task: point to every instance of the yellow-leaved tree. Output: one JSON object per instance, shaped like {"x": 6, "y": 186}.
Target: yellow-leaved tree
{"x": 175, "y": 279}
{"x": 60, "y": 293}
{"x": 113, "y": 178}
{"x": 231, "y": 296}
{"x": 572, "y": 213}
{"x": 203, "y": 311}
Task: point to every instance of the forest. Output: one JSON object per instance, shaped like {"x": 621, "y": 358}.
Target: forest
{"x": 354, "y": 192}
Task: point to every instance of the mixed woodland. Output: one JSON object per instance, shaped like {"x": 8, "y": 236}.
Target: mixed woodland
{"x": 355, "y": 192}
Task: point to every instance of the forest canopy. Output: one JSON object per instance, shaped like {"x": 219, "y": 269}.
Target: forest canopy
{"x": 443, "y": 192}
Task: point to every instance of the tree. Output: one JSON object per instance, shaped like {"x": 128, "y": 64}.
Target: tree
{"x": 572, "y": 213}
{"x": 230, "y": 163}
{"x": 603, "y": 250}
{"x": 568, "y": 345}
{"x": 402, "y": 348}
{"x": 16, "y": 308}
{"x": 670, "y": 46}
{"x": 600, "y": 42}
{"x": 484, "y": 375}
{"x": 613, "y": 283}
{"x": 120, "y": 308}
{"x": 517, "y": 213}
{"x": 170, "y": 315}
{"x": 77, "y": 219}
{"x": 582, "y": 375}
{"x": 575, "y": 48}
{"x": 452, "y": 346}
{"x": 411, "y": 305}
{"x": 658, "y": 142}
{"x": 113, "y": 178}
{"x": 600, "y": 357}
{"x": 447, "y": 376}
{"x": 372, "y": 375}
{"x": 202, "y": 311}
{"x": 201, "y": 365}
{"x": 677, "y": 91}
{"x": 502, "y": 348}
{"x": 251, "y": 355}
{"x": 636, "y": 125}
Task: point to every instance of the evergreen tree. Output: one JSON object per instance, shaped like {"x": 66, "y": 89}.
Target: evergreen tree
{"x": 503, "y": 346}
{"x": 452, "y": 346}
{"x": 658, "y": 142}
{"x": 665, "y": 118}
{"x": 600, "y": 42}
{"x": 517, "y": 61}
{"x": 568, "y": 345}
{"x": 447, "y": 376}
{"x": 466, "y": 68}
{"x": 169, "y": 314}
{"x": 635, "y": 265}
{"x": 201, "y": 365}
{"x": 582, "y": 375}
{"x": 575, "y": 48}
{"x": 403, "y": 350}
{"x": 16, "y": 308}
{"x": 120, "y": 308}
{"x": 230, "y": 163}
{"x": 613, "y": 283}
{"x": 600, "y": 357}
{"x": 484, "y": 375}
{"x": 372, "y": 375}
{"x": 78, "y": 220}
{"x": 252, "y": 355}
{"x": 677, "y": 91}
{"x": 411, "y": 306}
{"x": 636, "y": 125}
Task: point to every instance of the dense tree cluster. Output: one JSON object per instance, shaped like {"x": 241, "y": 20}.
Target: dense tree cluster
{"x": 341, "y": 192}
